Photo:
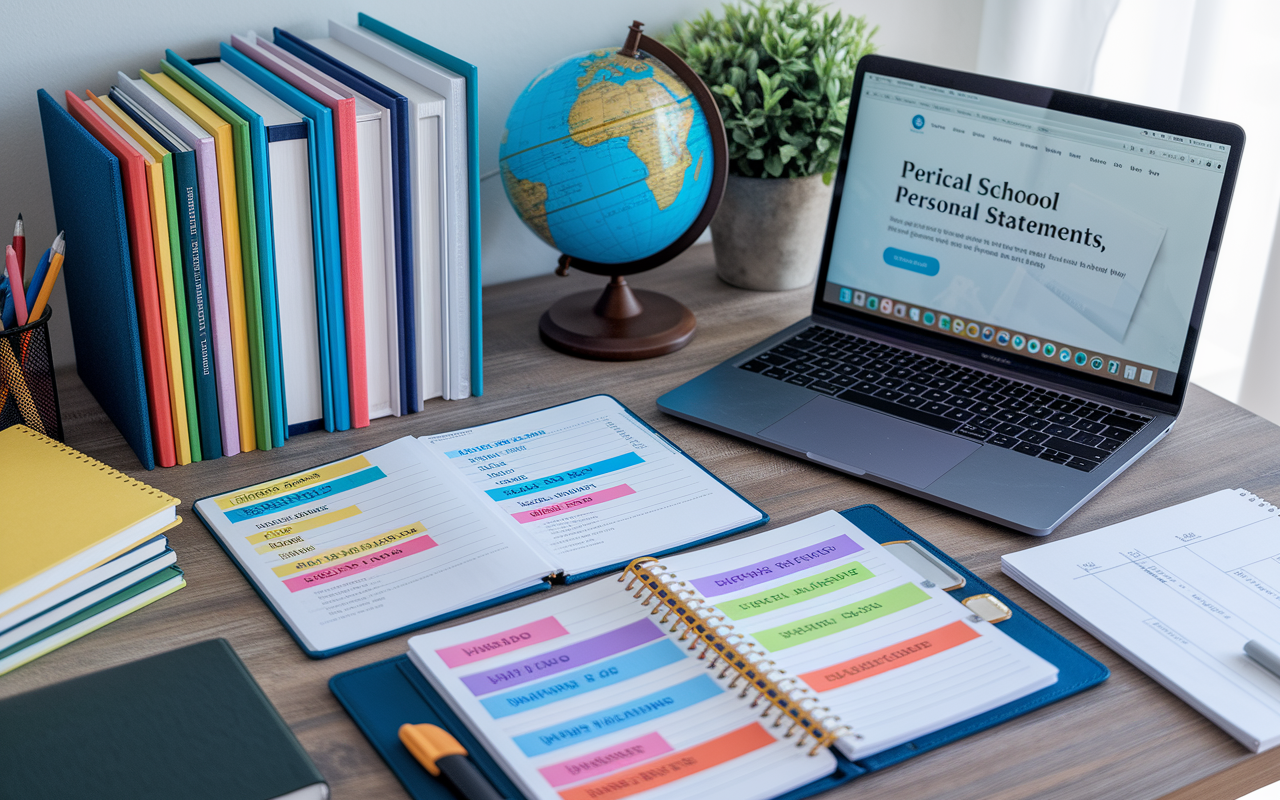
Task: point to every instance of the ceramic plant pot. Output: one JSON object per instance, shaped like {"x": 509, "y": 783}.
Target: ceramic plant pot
{"x": 768, "y": 232}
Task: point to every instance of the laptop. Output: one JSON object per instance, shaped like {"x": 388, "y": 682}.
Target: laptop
{"x": 1009, "y": 296}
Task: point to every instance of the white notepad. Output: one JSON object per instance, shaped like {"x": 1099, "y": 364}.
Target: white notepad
{"x": 1178, "y": 592}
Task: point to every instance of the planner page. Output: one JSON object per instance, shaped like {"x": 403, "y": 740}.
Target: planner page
{"x": 371, "y": 544}
{"x": 892, "y": 654}
{"x": 1179, "y": 592}
{"x": 592, "y": 485}
{"x": 583, "y": 696}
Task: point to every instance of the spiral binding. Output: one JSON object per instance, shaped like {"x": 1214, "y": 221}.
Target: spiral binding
{"x": 111, "y": 472}
{"x": 786, "y": 695}
{"x": 1255, "y": 500}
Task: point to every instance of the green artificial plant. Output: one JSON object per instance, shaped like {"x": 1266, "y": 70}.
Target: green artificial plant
{"x": 782, "y": 73}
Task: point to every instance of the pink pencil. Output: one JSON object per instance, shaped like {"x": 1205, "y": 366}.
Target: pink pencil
{"x": 15, "y": 279}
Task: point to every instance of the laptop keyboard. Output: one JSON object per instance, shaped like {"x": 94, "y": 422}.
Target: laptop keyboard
{"x": 962, "y": 400}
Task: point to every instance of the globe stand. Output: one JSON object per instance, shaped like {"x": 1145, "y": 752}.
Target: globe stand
{"x": 620, "y": 324}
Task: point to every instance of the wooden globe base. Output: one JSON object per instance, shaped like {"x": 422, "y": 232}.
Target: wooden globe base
{"x": 621, "y": 324}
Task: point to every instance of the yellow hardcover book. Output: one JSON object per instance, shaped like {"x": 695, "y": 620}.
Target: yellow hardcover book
{"x": 131, "y": 133}
{"x": 69, "y": 514}
{"x": 220, "y": 130}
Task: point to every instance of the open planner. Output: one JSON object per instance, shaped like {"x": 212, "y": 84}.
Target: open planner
{"x": 419, "y": 529}
{"x": 1179, "y": 592}
{"x": 774, "y": 665}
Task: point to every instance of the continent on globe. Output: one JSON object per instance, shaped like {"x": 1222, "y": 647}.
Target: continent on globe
{"x": 603, "y": 157}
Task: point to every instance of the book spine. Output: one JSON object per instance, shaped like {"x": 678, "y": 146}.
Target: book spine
{"x": 198, "y": 319}
{"x": 706, "y": 628}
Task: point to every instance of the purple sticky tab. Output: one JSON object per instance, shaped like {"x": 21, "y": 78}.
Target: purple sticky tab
{"x": 777, "y": 567}
{"x": 575, "y": 655}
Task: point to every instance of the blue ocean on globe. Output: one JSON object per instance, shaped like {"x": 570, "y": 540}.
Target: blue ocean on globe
{"x": 606, "y": 157}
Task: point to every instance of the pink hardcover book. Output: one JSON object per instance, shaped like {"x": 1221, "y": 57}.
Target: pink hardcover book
{"x": 199, "y": 140}
{"x": 348, "y": 174}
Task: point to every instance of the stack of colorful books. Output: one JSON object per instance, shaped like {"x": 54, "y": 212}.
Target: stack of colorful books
{"x": 296, "y": 227}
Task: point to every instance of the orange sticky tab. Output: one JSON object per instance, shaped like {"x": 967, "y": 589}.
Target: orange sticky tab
{"x": 891, "y": 657}
{"x": 674, "y": 766}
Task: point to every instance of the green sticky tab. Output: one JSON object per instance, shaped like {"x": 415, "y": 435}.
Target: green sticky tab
{"x": 796, "y": 591}
{"x": 841, "y": 619}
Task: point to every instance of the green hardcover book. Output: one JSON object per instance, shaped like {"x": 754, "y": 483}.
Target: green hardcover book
{"x": 180, "y": 306}
{"x": 188, "y": 723}
{"x": 249, "y": 253}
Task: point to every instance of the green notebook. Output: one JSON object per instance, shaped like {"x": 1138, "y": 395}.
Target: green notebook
{"x": 190, "y": 723}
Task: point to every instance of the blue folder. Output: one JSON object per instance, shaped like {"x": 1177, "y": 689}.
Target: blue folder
{"x": 468, "y": 71}
{"x": 88, "y": 203}
{"x": 402, "y": 200}
{"x": 266, "y": 242}
{"x": 382, "y": 696}
{"x": 326, "y": 179}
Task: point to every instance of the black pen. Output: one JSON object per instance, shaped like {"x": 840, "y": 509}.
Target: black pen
{"x": 441, "y": 754}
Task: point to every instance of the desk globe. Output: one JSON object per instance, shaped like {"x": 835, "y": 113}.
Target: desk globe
{"x": 617, "y": 158}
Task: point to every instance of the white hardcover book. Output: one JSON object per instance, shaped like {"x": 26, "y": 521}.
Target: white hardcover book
{"x": 297, "y": 259}
{"x": 427, "y": 154}
{"x": 377, "y": 237}
{"x": 456, "y": 277}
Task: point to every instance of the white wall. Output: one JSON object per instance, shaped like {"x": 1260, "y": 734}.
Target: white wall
{"x": 79, "y": 45}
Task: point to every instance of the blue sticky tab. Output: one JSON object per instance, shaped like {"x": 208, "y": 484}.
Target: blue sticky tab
{"x": 568, "y": 476}
{"x": 309, "y": 495}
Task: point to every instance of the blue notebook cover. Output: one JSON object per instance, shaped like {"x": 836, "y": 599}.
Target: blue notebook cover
{"x": 383, "y": 695}
{"x": 401, "y": 194}
{"x": 88, "y": 203}
{"x": 325, "y": 183}
{"x": 266, "y": 248}
{"x": 469, "y": 72}
{"x": 195, "y": 283}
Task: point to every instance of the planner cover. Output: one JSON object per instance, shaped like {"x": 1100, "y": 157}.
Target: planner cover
{"x": 269, "y": 301}
{"x": 88, "y": 202}
{"x": 402, "y": 199}
{"x": 194, "y": 272}
{"x": 143, "y": 264}
{"x": 348, "y": 182}
{"x": 469, "y": 72}
{"x": 382, "y": 696}
{"x": 330, "y": 280}
{"x": 254, "y": 314}
{"x": 202, "y": 143}
{"x": 299, "y": 242}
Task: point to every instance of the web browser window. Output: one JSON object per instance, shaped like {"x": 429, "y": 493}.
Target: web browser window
{"x": 1024, "y": 229}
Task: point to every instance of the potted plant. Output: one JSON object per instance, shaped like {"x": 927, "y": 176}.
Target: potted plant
{"x": 782, "y": 73}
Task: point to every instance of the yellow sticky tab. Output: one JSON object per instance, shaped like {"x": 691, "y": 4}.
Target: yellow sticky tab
{"x": 290, "y": 483}
{"x": 304, "y": 524}
{"x": 335, "y": 555}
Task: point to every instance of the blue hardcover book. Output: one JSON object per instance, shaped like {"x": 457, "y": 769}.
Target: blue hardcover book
{"x": 402, "y": 199}
{"x": 467, "y": 71}
{"x": 266, "y": 249}
{"x": 382, "y": 696}
{"x": 327, "y": 191}
{"x": 195, "y": 281}
{"x": 299, "y": 249}
{"x": 88, "y": 203}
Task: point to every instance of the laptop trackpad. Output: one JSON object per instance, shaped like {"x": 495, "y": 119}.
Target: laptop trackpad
{"x": 844, "y": 435}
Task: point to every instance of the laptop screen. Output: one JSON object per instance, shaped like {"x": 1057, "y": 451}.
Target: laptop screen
{"x": 1071, "y": 240}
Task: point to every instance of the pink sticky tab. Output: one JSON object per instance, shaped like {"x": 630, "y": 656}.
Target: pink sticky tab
{"x": 610, "y": 759}
{"x": 541, "y": 630}
{"x": 363, "y": 564}
{"x": 574, "y": 504}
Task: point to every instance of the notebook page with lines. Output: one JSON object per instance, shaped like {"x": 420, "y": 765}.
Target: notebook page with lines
{"x": 1178, "y": 592}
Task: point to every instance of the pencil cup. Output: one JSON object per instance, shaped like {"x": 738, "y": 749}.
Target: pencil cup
{"x": 28, "y": 390}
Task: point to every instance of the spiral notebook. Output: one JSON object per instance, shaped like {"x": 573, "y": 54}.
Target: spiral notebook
{"x": 1178, "y": 592}
{"x": 775, "y": 665}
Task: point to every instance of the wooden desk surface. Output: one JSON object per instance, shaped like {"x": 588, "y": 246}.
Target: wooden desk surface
{"x": 1126, "y": 739}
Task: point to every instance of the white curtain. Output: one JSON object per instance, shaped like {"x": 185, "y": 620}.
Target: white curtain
{"x": 1212, "y": 58}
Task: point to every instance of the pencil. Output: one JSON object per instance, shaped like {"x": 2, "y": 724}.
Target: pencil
{"x": 55, "y": 264}
{"x": 15, "y": 283}
{"x": 20, "y": 247}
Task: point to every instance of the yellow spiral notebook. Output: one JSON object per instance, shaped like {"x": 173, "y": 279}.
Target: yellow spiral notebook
{"x": 62, "y": 513}
{"x": 732, "y": 671}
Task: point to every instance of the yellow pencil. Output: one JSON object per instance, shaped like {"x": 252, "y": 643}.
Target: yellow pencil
{"x": 55, "y": 264}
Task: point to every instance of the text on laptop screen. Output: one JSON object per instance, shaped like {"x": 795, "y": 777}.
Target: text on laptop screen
{"x": 1033, "y": 231}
